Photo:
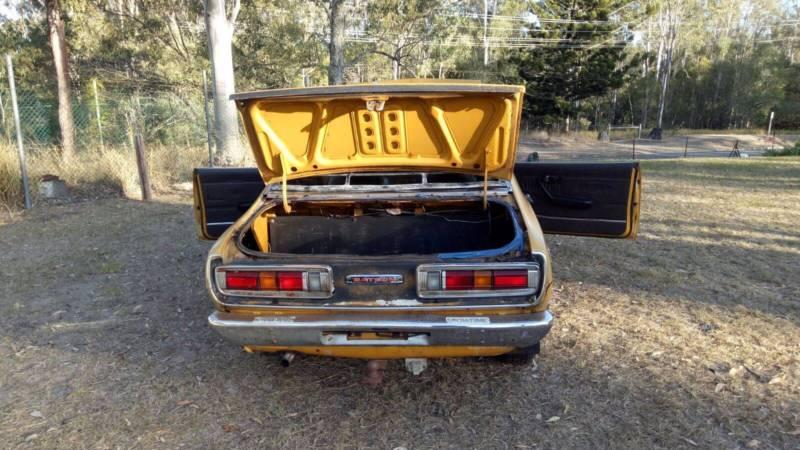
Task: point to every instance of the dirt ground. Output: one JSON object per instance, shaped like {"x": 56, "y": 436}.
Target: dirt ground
{"x": 688, "y": 337}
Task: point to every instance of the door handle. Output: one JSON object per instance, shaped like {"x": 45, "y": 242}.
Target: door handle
{"x": 562, "y": 200}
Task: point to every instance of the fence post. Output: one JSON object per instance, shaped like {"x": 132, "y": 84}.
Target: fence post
{"x": 141, "y": 163}
{"x": 208, "y": 121}
{"x": 769, "y": 128}
{"x": 97, "y": 113}
{"x": 634, "y": 148}
{"x": 686, "y": 147}
{"x": 22, "y": 170}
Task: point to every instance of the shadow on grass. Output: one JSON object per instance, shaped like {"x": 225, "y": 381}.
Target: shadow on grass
{"x": 140, "y": 361}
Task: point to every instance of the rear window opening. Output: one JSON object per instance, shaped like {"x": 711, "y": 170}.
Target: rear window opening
{"x": 382, "y": 229}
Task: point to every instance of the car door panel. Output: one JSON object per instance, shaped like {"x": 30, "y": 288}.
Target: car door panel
{"x": 589, "y": 199}
{"x": 222, "y": 195}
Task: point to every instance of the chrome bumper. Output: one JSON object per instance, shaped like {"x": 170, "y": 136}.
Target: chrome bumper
{"x": 412, "y": 330}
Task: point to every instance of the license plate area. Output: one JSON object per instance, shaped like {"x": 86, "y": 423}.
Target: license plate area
{"x": 372, "y": 338}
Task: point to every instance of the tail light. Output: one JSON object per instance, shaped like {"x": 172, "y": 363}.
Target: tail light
{"x": 275, "y": 281}
{"x": 477, "y": 280}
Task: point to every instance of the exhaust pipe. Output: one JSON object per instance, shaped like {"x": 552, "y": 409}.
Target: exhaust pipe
{"x": 287, "y": 358}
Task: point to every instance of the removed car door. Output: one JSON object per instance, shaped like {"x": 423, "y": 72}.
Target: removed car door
{"x": 587, "y": 199}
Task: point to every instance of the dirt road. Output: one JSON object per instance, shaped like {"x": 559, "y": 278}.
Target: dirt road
{"x": 699, "y": 145}
{"x": 686, "y": 338}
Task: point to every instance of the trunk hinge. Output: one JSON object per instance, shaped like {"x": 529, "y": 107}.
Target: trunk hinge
{"x": 284, "y": 183}
{"x": 486, "y": 180}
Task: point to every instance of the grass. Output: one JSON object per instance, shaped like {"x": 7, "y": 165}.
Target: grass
{"x": 96, "y": 171}
{"x": 685, "y": 338}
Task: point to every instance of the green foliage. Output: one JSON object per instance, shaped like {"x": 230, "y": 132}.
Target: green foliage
{"x": 580, "y": 65}
{"x": 786, "y": 151}
{"x": 733, "y": 61}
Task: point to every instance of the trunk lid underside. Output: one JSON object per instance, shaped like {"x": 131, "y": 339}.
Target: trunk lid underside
{"x": 464, "y": 127}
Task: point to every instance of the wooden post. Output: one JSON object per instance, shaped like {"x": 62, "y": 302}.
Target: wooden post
{"x": 141, "y": 163}
{"x": 97, "y": 114}
{"x": 769, "y": 128}
{"x": 686, "y": 147}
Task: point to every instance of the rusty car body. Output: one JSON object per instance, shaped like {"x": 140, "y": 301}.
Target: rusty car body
{"x": 391, "y": 221}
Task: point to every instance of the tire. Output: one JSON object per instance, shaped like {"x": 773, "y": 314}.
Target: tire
{"x": 521, "y": 356}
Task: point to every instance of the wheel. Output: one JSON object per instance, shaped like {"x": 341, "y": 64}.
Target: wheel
{"x": 521, "y": 356}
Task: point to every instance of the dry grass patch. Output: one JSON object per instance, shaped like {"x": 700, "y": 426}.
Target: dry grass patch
{"x": 686, "y": 338}
{"x": 96, "y": 171}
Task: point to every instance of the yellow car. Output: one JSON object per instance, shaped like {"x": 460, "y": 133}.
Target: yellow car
{"x": 390, "y": 221}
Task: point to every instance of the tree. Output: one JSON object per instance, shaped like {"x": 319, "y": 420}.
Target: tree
{"x": 586, "y": 59}
{"x": 220, "y": 26}
{"x": 58, "y": 45}
{"x": 402, "y": 29}
{"x": 336, "y": 23}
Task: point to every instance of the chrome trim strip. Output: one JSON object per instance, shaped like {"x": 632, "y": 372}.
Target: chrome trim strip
{"x": 578, "y": 219}
{"x": 422, "y": 291}
{"x": 218, "y": 223}
{"x": 219, "y": 277}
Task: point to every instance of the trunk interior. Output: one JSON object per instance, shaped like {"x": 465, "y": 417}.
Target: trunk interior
{"x": 446, "y": 229}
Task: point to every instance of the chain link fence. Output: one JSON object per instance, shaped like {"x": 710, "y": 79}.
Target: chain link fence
{"x": 106, "y": 120}
{"x": 110, "y": 118}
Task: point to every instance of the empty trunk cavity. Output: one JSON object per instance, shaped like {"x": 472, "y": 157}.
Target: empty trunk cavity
{"x": 458, "y": 230}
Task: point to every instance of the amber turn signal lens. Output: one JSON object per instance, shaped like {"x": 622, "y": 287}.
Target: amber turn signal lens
{"x": 483, "y": 279}
{"x": 266, "y": 281}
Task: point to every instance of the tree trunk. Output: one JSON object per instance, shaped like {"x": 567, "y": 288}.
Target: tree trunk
{"x": 667, "y": 72}
{"x": 336, "y": 42}
{"x": 664, "y": 82}
{"x": 58, "y": 43}
{"x": 226, "y": 121}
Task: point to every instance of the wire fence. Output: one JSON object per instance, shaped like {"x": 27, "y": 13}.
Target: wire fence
{"x": 105, "y": 123}
{"x": 109, "y": 119}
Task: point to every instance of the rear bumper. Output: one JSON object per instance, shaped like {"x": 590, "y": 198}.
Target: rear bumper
{"x": 395, "y": 330}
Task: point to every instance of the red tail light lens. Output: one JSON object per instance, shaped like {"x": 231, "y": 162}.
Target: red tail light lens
{"x": 467, "y": 280}
{"x": 241, "y": 281}
{"x": 275, "y": 281}
{"x": 478, "y": 280}
{"x": 458, "y": 280}
{"x": 290, "y": 281}
{"x": 509, "y": 279}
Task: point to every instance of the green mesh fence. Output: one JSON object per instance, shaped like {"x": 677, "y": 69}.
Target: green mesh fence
{"x": 110, "y": 120}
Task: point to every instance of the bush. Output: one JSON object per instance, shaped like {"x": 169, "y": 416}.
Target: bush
{"x": 786, "y": 151}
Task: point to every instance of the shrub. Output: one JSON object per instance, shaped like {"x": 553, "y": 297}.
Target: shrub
{"x": 786, "y": 151}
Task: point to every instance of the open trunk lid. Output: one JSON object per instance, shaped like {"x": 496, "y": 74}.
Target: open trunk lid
{"x": 461, "y": 126}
